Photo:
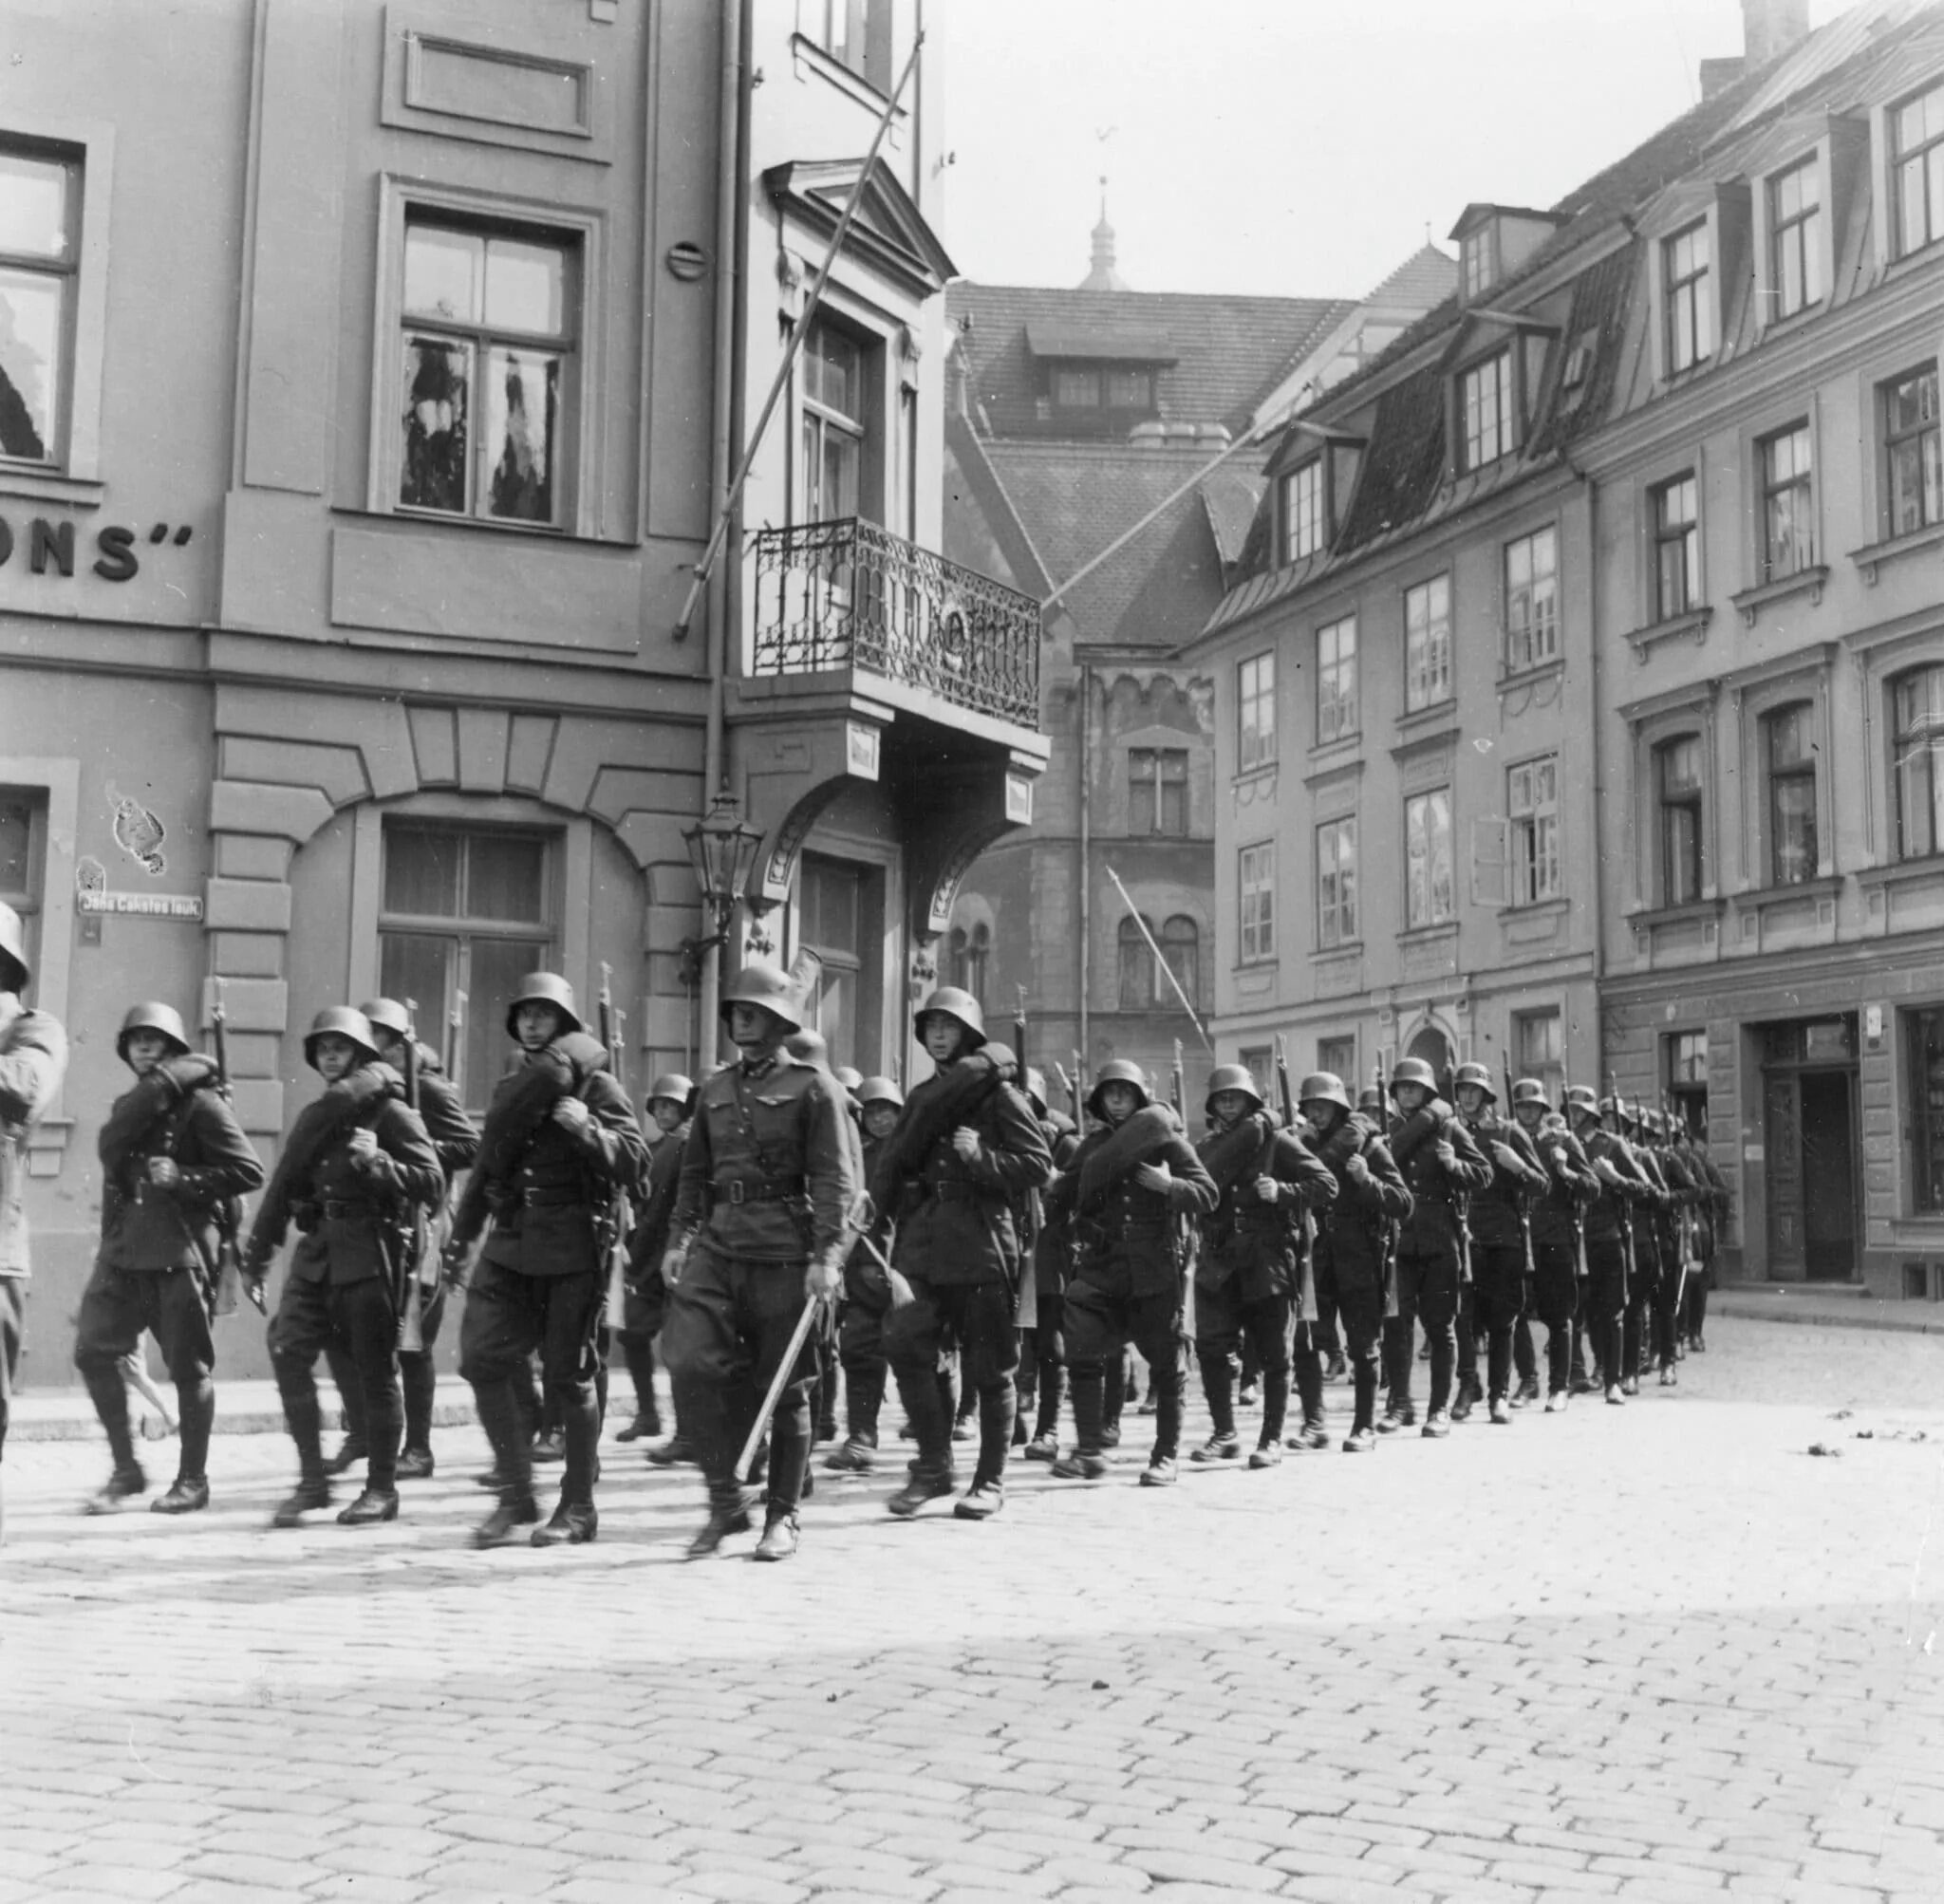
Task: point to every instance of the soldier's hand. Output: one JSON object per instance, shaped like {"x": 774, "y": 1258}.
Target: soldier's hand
{"x": 1156, "y": 1177}
{"x": 965, "y": 1142}
{"x": 163, "y": 1172}
{"x": 1447, "y": 1154}
{"x": 673, "y": 1261}
{"x": 1268, "y": 1190}
{"x": 570, "y": 1113}
{"x": 452, "y": 1264}
{"x": 363, "y": 1143}
{"x": 1507, "y": 1158}
{"x": 823, "y": 1281}
{"x": 1605, "y": 1171}
{"x": 1355, "y": 1167}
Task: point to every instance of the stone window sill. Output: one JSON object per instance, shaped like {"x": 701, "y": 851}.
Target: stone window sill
{"x": 1692, "y": 627}
{"x": 1869, "y": 560}
{"x": 1426, "y": 934}
{"x": 1809, "y": 582}
{"x": 1675, "y": 915}
{"x": 1514, "y": 678}
{"x": 43, "y": 485}
{"x": 1898, "y": 872}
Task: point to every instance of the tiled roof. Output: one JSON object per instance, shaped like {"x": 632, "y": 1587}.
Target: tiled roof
{"x": 1230, "y": 350}
{"x": 1230, "y": 497}
{"x": 1427, "y": 277}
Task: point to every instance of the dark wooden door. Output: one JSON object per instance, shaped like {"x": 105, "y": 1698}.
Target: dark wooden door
{"x": 1782, "y": 1168}
{"x": 1828, "y": 1177}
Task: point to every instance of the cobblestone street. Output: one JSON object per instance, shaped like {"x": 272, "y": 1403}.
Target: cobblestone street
{"x": 1660, "y": 1654}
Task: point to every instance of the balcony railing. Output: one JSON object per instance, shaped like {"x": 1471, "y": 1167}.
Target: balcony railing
{"x": 849, "y": 595}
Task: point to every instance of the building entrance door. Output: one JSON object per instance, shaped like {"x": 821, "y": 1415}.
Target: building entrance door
{"x": 1810, "y": 1149}
{"x": 1829, "y": 1175}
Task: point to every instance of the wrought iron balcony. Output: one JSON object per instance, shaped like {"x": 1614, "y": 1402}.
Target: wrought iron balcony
{"x": 848, "y": 594}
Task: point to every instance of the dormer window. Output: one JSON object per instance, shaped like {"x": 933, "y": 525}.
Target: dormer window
{"x": 1303, "y": 516}
{"x": 1486, "y": 413}
{"x": 1496, "y": 242}
{"x": 1917, "y": 161}
{"x": 1795, "y": 236}
{"x": 1687, "y": 264}
{"x": 1478, "y": 261}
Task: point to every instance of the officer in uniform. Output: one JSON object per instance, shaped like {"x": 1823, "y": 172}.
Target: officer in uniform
{"x": 171, "y": 1155}
{"x": 767, "y": 1198}
{"x": 967, "y": 1150}
{"x": 1501, "y": 1238}
{"x": 1440, "y": 1164}
{"x": 560, "y": 1150}
{"x": 1042, "y": 1347}
{"x": 1610, "y": 1231}
{"x": 670, "y": 1099}
{"x": 1557, "y": 1243}
{"x": 1132, "y": 1181}
{"x": 866, "y": 1297}
{"x": 357, "y": 1172}
{"x": 34, "y": 1059}
{"x": 1250, "y": 1277}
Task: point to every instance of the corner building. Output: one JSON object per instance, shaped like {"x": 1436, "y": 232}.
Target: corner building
{"x": 345, "y": 526}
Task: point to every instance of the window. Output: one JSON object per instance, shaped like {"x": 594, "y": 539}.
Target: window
{"x": 1917, "y": 702}
{"x": 1336, "y": 680}
{"x": 1788, "y": 528}
{"x": 465, "y": 912}
{"x": 1337, "y": 884}
{"x": 1484, "y": 410}
{"x": 1677, "y": 547}
{"x": 1303, "y": 510}
{"x": 1532, "y": 601}
{"x": 1143, "y": 984}
{"x": 1158, "y": 791}
{"x": 1686, "y": 1078}
{"x": 1097, "y": 386}
{"x": 1795, "y": 238}
{"x": 834, "y": 908}
{"x": 1532, "y": 801}
{"x": 1917, "y": 136}
{"x": 1129, "y": 390}
{"x": 1181, "y": 952}
{"x": 1076, "y": 389}
{"x": 1137, "y": 975}
{"x": 1477, "y": 259}
{"x": 22, "y": 849}
{"x": 40, "y": 249}
{"x": 1925, "y": 1057}
{"x": 1686, "y": 259}
{"x": 1427, "y": 859}
{"x": 1255, "y": 703}
{"x": 490, "y": 326}
{"x": 833, "y": 425}
{"x": 1338, "y": 1057}
{"x": 1260, "y": 1062}
{"x": 1428, "y": 644}
{"x": 1256, "y": 866}
{"x": 1677, "y": 787}
{"x": 970, "y": 954}
{"x": 854, "y": 33}
{"x": 1537, "y": 1051}
{"x": 1914, "y": 476}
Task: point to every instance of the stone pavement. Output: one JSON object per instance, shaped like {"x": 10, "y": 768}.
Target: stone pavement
{"x": 1661, "y": 1653}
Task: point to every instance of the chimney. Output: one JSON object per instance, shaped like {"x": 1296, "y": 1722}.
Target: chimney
{"x": 1770, "y": 28}
{"x": 1718, "y": 75}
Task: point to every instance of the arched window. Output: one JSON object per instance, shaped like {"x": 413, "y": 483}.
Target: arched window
{"x": 1181, "y": 945}
{"x": 1136, "y": 967}
{"x": 971, "y": 950}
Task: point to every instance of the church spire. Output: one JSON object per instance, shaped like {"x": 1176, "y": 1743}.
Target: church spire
{"x": 1103, "y": 277}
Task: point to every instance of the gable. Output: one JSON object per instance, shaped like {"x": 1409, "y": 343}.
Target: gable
{"x": 889, "y": 231}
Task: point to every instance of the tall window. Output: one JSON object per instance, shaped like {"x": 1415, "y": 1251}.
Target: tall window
{"x": 1137, "y": 976}
{"x": 1532, "y": 797}
{"x": 1677, "y": 788}
{"x": 833, "y": 425}
{"x": 1338, "y": 1057}
{"x": 1788, "y": 524}
{"x": 1686, "y": 259}
{"x": 1260, "y": 1062}
{"x": 831, "y": 922}
{"x": 1484, "y": 410}
{"x": 1917, "y": 700}
{"x": 1428, "y": 644}
{"x": 1303, "y": 510}
{"x": 1181, "y": 952}
{"x": 849, "y": 31}
{"x": 1914, "y": 468}
{"x": 1795, "y": 238}
{"x": 466, "y": 910}
{"x": 1917, "y": 136}
{"x": 40, "y": 218}
{"x": 1677, "y": 547}
{"x": 491, "y": 328}
{"x": 23, "y": 847}
{"x": 1687, "y": 1077}
{"x": 1478, "y": 258}
{"x": 1532, "y": 600}
{"x": 1256, "y": 868}
{"x": 970, "y": 956}
{"x": 1537, "y": 1051}
{"x": 1336, "y": 680}
{"x": 1158, "y": 791}
{"x": 1255, "y": 711}
{"x": 1337, "y": 884}
{"x": 1428, "y": 889}
{"x": 1924, "y": 1031}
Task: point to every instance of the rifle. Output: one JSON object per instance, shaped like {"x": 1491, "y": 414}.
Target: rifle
{"x": 1020, "y": 1033}
{"x": 1187, "y": 1232}
{"x": 1386, "y": 1245}
{"x": 1307, "y": 1311}
{"x": 1072, "y": 1086}
{"x": 1579, "y": 1206}
{"x": 1626, "y": 1213}
{"x": 410, "y": 1297}
{"x": 615, "y": 1226}
{"x": 1521, "y": 1200}
{"x": 1461, "y": 1200}
{"x": 1080, "y": 1087}
{"x": 229, "y": 1276}
{"x": 455, "y": 1033}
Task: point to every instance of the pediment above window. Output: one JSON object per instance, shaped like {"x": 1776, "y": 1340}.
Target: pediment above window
{"x": 889, "y": 233}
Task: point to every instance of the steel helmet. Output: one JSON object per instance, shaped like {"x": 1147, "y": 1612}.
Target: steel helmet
{"x": 387, "y": 1015}
{"x": 769, "y": 989}
{"x": 808, "y": 1046}
{"x": 153, "y": 1017}
{"x": 1035, "y": 1086}
{"x": 1118, "y": 1070}
{"x": 1413, "y": 1071}
{"x": 1583, "y": 1100}
{"x": 879, "y": 1090}
{"x": 1370, "y": 1098}
{"x": 956, "y": 1004}
{"x": 14, "y": 971}
{"x": 675, "y": 1088}
{"x": 342, "y": 1021}
{"x": 1528, "y": 1090}
{"x": 849, "y": 1077}
{"x": 1324, "y": 1087}
{"x": 1477, "y": 1075}
{"x": 1232, "y": 1078}
{"x": 544, "y": 988}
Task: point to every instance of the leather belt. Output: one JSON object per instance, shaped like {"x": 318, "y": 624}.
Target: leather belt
{"x": 552, "y": 1197}
{"x": 340, "y": 1211}
{"x": 950, "y": 1190}
{"x": 758, "y": 1189}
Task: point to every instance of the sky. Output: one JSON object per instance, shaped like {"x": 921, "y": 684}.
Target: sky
{"x": 1297, "y": 148}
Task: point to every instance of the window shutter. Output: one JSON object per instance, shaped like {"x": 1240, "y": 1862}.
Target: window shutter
{"x": 1492, "y": 861}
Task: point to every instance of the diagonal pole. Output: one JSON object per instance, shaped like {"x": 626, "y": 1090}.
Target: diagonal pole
{"x": 1159, "y": 960}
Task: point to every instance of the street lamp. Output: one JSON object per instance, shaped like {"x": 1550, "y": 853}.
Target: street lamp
{"x": 722, "y": 851}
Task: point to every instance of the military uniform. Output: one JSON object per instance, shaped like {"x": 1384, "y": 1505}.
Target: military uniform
{"x": 1610, "y": 1231}
{"x": 645, "y": 1308}
{"x": 1042, "y": 1346}
{"x": 1710, "y": 1214}
{"x": 1556, "y": 1250}
{"x": 866, "y": 1302}
{"x": 1643, "y": 1288}
{"x": 1683, "y": 1195}
{"x": 156, "y": 1266}
{"x": 1501, "y": 1255}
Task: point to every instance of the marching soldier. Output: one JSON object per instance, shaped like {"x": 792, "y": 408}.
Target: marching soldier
{"x": 1042, "y": 1346}
{"x": 172, "y": 1154}
{"x": 1354, "y": 1241}
{"x": 356, "y": 1172}
{"x": 1643, "y": 1288}
{"x": 1500, "y": 1233}
{"x": 968, "y": 1149}
{"x": 34, "y": 1059}
{"x": 670, "y": 1100}
{"x": 1710, "y": 1213}
{"x": 1555, "y": 1243}
{"x": 560, "y": 1148}
{"x": 867, "y": 1298}
{"x": 1248, "y": 1279}
{"x": 1610, "y": 1230}
{"x": 1440, "y": 1164}
{"x": 1131, "y": 1179}
{"x": 767, "y": 1194}
{"x": 1671, "y": 1228}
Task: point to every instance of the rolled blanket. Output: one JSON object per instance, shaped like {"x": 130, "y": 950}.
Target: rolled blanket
{"x": 147, "y": 1101}
{"x": 1230, "y": 1155}
{"x": 1133, "y": 1142}
{"x": 353, "y": 1099}
{"x": 936, "y": 1108}
{"x": 522, "y": 1102}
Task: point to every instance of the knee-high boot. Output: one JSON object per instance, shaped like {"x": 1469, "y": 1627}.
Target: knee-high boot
{"x": 864, "y": 1394}
{"x": 1090, "y": 1393}
{"x": 1218, "y": 1375}
{"x": 195, "y": 1411}
{"x": 998, "y": 1406}
{"x": 923, "y": 1392}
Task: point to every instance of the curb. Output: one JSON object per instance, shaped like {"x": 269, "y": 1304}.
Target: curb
{"x": 1772, "y": 1309}
{"x": 80, "y": 1424}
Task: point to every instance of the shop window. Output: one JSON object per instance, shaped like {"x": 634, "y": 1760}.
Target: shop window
{"x": 1788, "y": 526}
{"x": 1687, "y": 261}
{"x": 1428, "y": 644}
{"x": 1532, "y": 796}
{"x": 1256, "y": 902}
{"x": 23, "y": 858}
{"x": 1538, "y": 1051}
{"x": 1924, "y": 1031}
{"x": 1337, "y": 711}
{"x": 1918, "y": 170}
{"x": 1136, "y": 966}
{"x": 1917, "y": 705}
{"x": 1677, "y": 793}
{"x": 1686, "y": 1078}
{"x": 835, "y": 424}
{"x": 1913, "y": 467}
{"x": 1158, "y": 792}
{"x": 1255, "y": 711}
{"x": 1788, "y": 735}
{"x": 1180, "y": 949}
{"x": 1427, "y": 888}
{"x": 1795, "y": 238}
{"x": 1532, "y": 600}
{"x": 1677, "y": 547}
{"x": 1336, "y": 884}
{"x": 466, "y": 913}
{"x": 971, "y": 953}
{"x": 40, "y": 253}
{"x": 837, "y": 903}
